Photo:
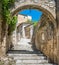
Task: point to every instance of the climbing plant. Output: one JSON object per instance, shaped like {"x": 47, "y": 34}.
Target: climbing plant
{"x": 11, "y": 21}
{"x": 12, "y": 25}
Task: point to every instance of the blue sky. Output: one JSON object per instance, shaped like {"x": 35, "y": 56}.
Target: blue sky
{"x": 35, "y": 14}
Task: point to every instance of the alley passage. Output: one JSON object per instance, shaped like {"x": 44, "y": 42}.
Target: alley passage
{"x": 24, "y": 54}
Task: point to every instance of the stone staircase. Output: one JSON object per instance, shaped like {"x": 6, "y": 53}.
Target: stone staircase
{"x": 25, "y": 54}
{"x": 24, "y": 57}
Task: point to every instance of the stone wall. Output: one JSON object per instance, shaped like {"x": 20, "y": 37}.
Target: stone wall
{"x": 45, "y": 38}
{"x": 3, "y": 34}
{"x": 47, "y": 5}
{"x": 0, "y": 27}
{"x": 57, "y": 18}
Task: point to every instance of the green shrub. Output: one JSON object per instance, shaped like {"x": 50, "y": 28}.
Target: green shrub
{"x": 11, "y": 21}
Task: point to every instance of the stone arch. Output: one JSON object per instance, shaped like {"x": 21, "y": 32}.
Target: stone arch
{"x": 45, "y": 12}
{"x": 47, "y": 7}
{"x": 42, "y": 5}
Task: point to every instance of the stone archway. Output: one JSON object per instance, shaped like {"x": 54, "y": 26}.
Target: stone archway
{"x": 46, "y": 6}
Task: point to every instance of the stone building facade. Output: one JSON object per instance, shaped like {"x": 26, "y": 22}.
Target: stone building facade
{"x": 23, "y": 18}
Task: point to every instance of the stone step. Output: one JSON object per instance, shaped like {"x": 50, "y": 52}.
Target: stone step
{"x": 25, "y": 55}
{"x": 40, "y": 57}
{"x": 31, "y": 61}
{"x": 23, "y": 52}
{"x": 28, "y": 58}
{"x": 35, "y": 64}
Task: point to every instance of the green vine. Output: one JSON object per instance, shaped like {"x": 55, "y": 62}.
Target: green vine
{"x": 12, "y": 25}
{"x": 11, "y": 21}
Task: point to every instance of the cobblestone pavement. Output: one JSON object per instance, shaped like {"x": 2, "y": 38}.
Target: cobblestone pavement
{"x": 23, "y": 54}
